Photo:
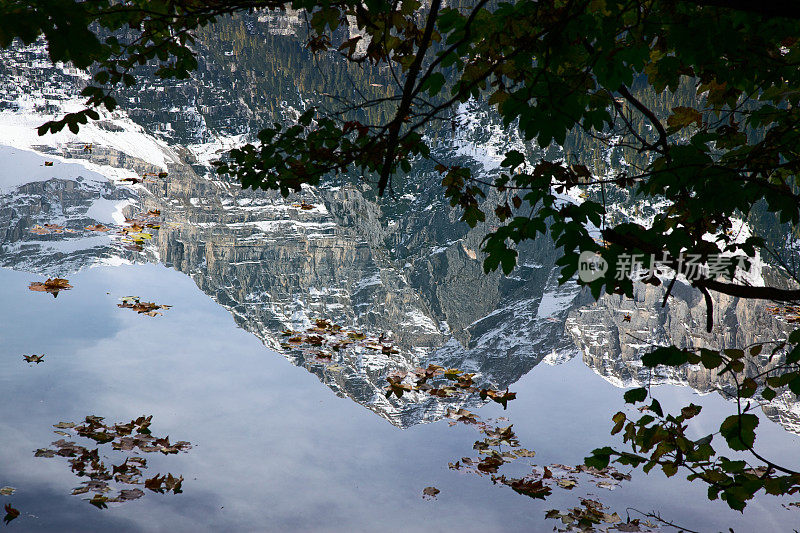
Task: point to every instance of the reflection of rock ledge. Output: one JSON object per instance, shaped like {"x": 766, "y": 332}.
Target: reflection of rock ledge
{"x": 612, "y": 344}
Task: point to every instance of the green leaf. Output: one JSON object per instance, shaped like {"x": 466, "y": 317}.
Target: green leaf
{"x": 739, "y": 431}
{"x": 600, "y": 458}
{"x": 433, "y": 84}
{"x": 710, "y": 359}
{"x": 768, "y": 394}
{"x": 635, "y": 395}
{"x": 668, "y": 356}
{"x": 513, "y": 159}
{"x": 684, "y": 116}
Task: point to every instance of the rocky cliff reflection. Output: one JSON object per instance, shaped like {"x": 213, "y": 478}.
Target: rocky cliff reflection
{"x": 408, "y": 273}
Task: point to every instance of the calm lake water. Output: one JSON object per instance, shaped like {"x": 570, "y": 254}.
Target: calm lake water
{"x": 273, "y": 447}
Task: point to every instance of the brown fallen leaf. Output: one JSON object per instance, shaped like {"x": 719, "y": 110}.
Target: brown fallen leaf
{"x": 130, "y": 494}
{"x": 145, "y": 308}
{"x": 53, "y": 286}
{"x": 429, "y": 493}
{"x": 11, "y": 513}
{"x": 98, "y": 227}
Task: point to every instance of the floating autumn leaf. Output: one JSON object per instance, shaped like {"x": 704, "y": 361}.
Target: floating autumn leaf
{"x": 500, "y": 397}
{"x": 33, "y": 358}
{"x": 522, "y": 452}
{"x": 424, "y": 374}
{"x": 53, "y": 286}
{"x": 99, "y": 501}
{"x": 533, "y": 488}
{"x": 165, "y": 483}
{"x": 396, "y": 387}
{"x": 139, "y": 237}
{"x": 144, "y": 308}
{"x": 452, "y": 373}
{"x": 429, "y": 493}
{"x": 566, "y": 483}
{"x": 98, "y": 227}
{"x": 7, "y": 491}
{"x": 48, "y": 163}
{"x": 134, "y": 226}
{"x": 132, "y": 180}
{"x": 462, "y": 415}
{"x": 11, "y": 513}
{"x": 130, "y": 494}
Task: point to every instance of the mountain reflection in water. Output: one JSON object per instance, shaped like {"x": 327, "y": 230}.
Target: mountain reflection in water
{"x": 417, "y": 281}
{"x": 411, "y": 276}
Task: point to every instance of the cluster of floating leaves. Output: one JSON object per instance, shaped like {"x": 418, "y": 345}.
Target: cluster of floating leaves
{"x": 143, "y": 308}
{"x": 593, "y": 513}
{"x": 324, "y": 339}
{"x": 500, "y": 446}
{"x": 11, "y": 513}
{"x": 51, "y": 285}
{"x": 135, "y": 231}
{"x": 789, "y": 313}
{"x": 124, "y": 477}
{"x": 49, "y": 229}
{"x": 442, "y": 382}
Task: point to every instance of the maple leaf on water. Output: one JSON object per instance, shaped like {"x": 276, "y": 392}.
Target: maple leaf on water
{"x": 500, "y": 397}
{"x": 528, "y": 487}
{"x": 53, "y": 286}
{"x": 396, "y": 387}
{"x": 11, "y": 513}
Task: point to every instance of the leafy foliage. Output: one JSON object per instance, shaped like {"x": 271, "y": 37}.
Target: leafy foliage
{"x": 659, "y": 439}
